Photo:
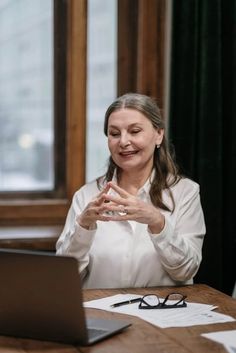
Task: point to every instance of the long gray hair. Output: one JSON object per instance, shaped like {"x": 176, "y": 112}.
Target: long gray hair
{"x": 166, "y": 170}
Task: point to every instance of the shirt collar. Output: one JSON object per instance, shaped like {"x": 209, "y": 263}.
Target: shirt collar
{"x": 146, "y": 187}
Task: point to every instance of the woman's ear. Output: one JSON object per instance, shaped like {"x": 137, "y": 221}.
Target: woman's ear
{"x": 159, "y": 138}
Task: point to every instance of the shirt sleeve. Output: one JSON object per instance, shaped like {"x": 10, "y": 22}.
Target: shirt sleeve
{"x": 74, "y": 240}
{"x": 179, "y": 245}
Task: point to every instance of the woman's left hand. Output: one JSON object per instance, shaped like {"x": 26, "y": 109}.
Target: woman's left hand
{"x": 128, "y": 207}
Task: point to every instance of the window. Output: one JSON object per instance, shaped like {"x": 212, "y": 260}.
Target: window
{"x": 26, "y": 96}
{"x": 47, "y": 111}
{"x": 135, "y": 62}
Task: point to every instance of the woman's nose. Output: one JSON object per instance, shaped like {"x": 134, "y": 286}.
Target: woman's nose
{"x": 124, "y": 140}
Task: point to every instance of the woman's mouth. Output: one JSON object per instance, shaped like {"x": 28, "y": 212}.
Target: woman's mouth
{"x": 128, "y": 153}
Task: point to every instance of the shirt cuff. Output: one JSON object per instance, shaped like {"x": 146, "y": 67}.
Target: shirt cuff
{"x": 164, "y": 236}
{"x": 84, "y": 235}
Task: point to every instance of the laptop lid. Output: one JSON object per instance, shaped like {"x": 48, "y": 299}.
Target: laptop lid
{"x": 41, "y": 298}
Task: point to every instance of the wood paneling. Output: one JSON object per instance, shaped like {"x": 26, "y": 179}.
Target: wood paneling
{"x": 141, "y": 47}
{"x": 76, "y": 95}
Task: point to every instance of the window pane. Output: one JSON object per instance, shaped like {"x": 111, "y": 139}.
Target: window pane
{"x": 102, "y": 80}
{"x": 26, "y": 95}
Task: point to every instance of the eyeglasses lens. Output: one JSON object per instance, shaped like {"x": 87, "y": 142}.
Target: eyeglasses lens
{"x": 151, "y": 300}
{"x": 174, "y": 299}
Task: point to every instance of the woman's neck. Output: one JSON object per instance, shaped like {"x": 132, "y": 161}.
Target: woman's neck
{"x": 132, "y": 182}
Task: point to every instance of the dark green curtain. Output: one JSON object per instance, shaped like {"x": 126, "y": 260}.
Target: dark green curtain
{"x": 202, "y": 123}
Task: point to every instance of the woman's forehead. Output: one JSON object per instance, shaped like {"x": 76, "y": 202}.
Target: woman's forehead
{"x": 127, "y": 117}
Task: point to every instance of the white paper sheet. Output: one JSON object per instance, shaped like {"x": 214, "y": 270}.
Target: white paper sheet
{"x": 227, "y": 338}
{"x": 193, "y": 314}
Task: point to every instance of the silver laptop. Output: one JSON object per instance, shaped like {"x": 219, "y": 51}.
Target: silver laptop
{"x": 41, "y": 298}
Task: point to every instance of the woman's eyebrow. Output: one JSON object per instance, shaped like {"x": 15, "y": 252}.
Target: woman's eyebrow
{"x": 129, "y": 126}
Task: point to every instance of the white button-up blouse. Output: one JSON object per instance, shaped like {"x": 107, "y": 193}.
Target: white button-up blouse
{"x": 126, "y": 254}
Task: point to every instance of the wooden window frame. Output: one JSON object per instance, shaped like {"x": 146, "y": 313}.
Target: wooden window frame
{"x": 52, "y": 209}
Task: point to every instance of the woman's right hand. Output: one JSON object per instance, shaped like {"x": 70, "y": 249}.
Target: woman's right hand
{"x": 92, "y": 212}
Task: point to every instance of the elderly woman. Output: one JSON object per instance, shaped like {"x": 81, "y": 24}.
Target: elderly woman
{"x": 141, "y": 224}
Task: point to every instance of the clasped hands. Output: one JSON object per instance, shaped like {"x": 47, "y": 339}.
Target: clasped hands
{"x": 120, "y": 207}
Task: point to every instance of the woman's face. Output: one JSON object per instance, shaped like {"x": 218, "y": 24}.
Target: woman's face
{"x": 132, "y": 139}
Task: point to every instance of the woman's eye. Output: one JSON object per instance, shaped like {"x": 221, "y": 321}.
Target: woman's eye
{"x": 114, "y": 134}
{"x": 135, "y": 131}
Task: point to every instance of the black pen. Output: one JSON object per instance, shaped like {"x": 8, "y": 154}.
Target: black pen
{"x": 126, "y": 302}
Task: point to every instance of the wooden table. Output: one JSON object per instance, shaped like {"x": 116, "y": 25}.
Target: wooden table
{"x": 143, "y": 337}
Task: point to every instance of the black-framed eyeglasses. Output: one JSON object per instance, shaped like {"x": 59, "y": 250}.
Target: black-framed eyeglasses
{"x": 171, "y": 301}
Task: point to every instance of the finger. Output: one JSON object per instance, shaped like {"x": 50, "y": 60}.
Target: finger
{"x": 116, "y": 199}
{"x": 120, "y": 209}
{"x": 119, "y": 190}
{"x": 104, "y": 190}
{"x": 100, "y": 197}
{"x": 104, "y": 218}
{"x": 119, "y": 217}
